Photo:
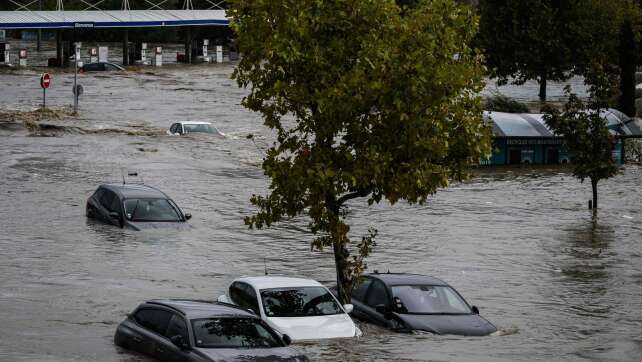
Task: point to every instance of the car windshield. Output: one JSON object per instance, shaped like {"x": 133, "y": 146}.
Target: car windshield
{"x": 203, "y": 128}
{"x": 299, "y": 302}
{"x": 428, "y": 299}
{"x": 233, "y": 333}
{"x": 151, "y": 210}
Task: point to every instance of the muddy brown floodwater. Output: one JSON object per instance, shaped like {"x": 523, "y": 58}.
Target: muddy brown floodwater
{"x": 520, "y": 244}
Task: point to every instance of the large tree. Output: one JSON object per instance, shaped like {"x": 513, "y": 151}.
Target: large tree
{"x": 366, "y": 100}
{"x": 526, "y": 40}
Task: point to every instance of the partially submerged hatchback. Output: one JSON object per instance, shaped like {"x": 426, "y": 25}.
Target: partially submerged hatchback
{"x": 187, "y": 330}
{"x": 407, "y": 302}
{"x": 187, "y": 127}
{"x": 303, "y": 309}
{"x": 135, "y": 206}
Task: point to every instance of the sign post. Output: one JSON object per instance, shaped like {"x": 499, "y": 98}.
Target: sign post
{"x": 76, "y": 59}
{"x": 45, "y": 82}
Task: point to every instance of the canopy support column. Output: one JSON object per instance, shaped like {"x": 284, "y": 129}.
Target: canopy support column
{"x": 126, "y": 48}
{"x": 59, "y": 62}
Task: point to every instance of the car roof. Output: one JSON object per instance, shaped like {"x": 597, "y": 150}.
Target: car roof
{"x": 391, "y": 279}
{"x": 270, "y": 281}
{"x": 193, "y": 309}
{"x": 195, "y": 122}
{"x": 127, "y": 191}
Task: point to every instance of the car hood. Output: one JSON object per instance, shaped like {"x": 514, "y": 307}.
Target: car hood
{"x": 463, "y": 325}
{"x": 282, "y": 354}
{"x": 147, "y": 225}
{"x": 314, "y": 327}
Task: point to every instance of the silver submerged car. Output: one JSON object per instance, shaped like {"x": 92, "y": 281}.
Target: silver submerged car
{"x": 186, "y": 330}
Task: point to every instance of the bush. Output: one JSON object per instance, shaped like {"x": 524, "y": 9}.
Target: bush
{"x": 502, "y": 103}
{"x": 633, "y": 150}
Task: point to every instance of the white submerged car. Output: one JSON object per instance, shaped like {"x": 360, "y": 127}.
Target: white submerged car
{"x": 182, "y": 128}
{"x": 301, "y": 308}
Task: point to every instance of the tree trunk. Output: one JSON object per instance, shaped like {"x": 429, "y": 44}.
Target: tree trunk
{"x": 594, "y": 187}
{"x": 542, "y": 88}
{"x": 341, "y": 265}
{"x": 627, "y": 55}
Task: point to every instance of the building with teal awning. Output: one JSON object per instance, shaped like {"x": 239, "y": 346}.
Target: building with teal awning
{"x": 525, "y": 139}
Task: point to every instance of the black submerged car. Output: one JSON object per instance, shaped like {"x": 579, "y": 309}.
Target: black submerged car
{"x": 406, "y": 302}
{"x": 186, "y": 330}
{"x": 135, "y": 206}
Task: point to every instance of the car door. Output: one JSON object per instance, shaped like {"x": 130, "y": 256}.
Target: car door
{"x": 359, "y": 297}
{"x": 153, "y": 323}
{"x": 172, "y": 353}
{"x": 377, "y": 295}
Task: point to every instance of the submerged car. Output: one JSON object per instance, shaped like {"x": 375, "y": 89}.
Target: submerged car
{"x": 186, "y": 330}
{"x": 101, "y": 67}
{"x": 182, "y": 128}
{"x": 407, "y": 302}
{"x": 135, "y": 206}
{"x": 301, "y": 308}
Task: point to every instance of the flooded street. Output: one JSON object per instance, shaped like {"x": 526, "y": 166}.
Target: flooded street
{"x": 519, "y": 244}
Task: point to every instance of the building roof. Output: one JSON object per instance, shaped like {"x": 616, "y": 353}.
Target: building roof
{"x": 110, "y": 19}
{"x": 406, "y": 279}
{"x": 136, "y": 191}
{"x": 533, "y": 125}
{"x": 202, "y": 309}
{"x": 269, "y": 281}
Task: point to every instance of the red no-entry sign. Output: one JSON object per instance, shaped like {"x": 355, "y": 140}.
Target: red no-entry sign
{"x": 45, "y": 80}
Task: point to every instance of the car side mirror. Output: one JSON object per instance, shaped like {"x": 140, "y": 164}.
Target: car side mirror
{"x": 188, "y": 216}
{"x": 179, "y": 342}
{"x": 474, "y": 309}
{"x": 286, "y": 339}
{"x": 348, "y": 308}
{"x": 114, "y": 215}
{"x": 383, "y": 309}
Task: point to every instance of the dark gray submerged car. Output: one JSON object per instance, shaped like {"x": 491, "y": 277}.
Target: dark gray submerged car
{"x": 136, "y": 207}
{"x": 407, "y": 302}
{"x": 186, "y": 330}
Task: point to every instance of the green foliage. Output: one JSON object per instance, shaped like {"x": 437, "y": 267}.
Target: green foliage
{"x": 525, "y": 40}
{"x": 366, "y": 101}
{"x": 502, "y": 103}
{"x": 585, "y": 131}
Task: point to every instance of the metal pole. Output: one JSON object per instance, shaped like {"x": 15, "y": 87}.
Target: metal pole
{"x": 76, "y": 79}
{"x": 39, "y": 38}
{"x": 44, "y": 98}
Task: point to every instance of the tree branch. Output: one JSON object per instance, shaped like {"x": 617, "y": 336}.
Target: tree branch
{"x": 353, "y": 195}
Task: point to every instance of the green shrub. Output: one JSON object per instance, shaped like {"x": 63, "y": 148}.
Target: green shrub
{"x": 502, "y": 103}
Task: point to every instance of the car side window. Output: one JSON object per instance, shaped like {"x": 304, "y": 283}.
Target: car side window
{"x": 106, "y": 199}
{"x": 359, "y": 293}
{"x": 98, "y": 194}
{"x": 176, "y": 327}
{"x": 115, "y": 204}
{"x": 377, "y": 294}
{"x": 244, "y": 295}
{"x": 155, "y": 320}
{"x": 110, "y": 67}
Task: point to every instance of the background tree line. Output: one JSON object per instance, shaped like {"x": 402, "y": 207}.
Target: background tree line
{"x": 549, "y": 40}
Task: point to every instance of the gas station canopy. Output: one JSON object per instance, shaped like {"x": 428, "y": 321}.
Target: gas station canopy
{"x": 110, "y": 19}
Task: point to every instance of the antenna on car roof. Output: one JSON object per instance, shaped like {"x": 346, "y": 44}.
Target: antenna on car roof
{"x": 265, "y": 265}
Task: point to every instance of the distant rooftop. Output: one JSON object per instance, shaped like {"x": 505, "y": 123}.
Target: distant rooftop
{"x": 110, "y": 19}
